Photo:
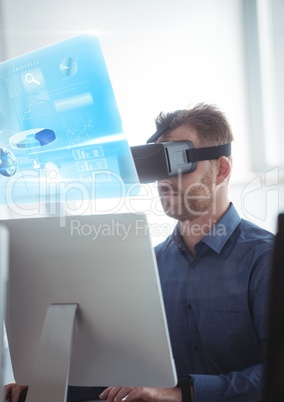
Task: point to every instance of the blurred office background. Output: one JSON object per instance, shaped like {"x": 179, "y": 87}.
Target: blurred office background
{"x": 167, "y": 54}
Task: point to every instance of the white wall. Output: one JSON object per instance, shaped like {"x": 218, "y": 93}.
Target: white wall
{"x": 163, "y": 55}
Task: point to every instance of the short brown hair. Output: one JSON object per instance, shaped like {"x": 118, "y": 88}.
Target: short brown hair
{"x": 210, "y": 123}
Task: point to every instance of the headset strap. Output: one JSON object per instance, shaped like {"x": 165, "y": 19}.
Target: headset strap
{"x": 208, "y": 153}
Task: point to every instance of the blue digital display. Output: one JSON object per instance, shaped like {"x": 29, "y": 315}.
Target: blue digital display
{"x": 61, "y": 135}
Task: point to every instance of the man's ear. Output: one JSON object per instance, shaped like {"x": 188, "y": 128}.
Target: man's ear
{"x": 224, "y": 168}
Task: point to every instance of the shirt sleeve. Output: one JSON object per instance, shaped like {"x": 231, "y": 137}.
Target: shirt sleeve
{"x": 241, "y": 386}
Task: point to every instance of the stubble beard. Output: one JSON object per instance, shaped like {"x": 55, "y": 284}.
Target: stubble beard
{"x": 192, "y": 203}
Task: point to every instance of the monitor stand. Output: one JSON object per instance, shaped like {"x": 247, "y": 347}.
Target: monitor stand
{"x": 49, "y": 379}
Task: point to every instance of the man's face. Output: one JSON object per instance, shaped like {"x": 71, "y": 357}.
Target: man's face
{"x": 191, "y": 195}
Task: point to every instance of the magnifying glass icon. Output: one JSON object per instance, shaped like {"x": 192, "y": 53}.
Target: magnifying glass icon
{"x": 30, "y": 79}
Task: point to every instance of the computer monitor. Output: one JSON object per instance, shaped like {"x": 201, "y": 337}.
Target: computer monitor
{"x": 105, "y": 265}
{"x": 274, "y": 384}
{"x": 3, "y": 246}
{"x": 3, "y": 283}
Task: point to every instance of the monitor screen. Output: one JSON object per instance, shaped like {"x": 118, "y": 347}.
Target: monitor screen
{"x": 106, "y": 265}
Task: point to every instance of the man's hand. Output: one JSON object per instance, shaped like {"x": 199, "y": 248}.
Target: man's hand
{"x": 118, "y": 394}
{"x": 15, "y": 393}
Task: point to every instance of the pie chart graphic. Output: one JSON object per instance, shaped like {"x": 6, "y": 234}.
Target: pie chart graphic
{"x": 68, "y": 66}
{"x": 34, "y": 138}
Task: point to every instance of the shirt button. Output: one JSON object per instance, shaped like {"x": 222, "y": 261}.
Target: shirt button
{"x": 195, "y": 348}
{"x": 191, "y": 265}
{"x": 189, "y": 306}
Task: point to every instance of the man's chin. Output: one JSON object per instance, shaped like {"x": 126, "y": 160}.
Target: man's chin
{"x": 182, "y": 216}
{"x": 173, "y": 213}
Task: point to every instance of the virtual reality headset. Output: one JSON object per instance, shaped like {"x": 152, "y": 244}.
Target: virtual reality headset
{"x": 158, "y": 161}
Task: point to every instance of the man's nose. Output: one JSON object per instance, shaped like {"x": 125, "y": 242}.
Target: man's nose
{"x": 167, "y": 183}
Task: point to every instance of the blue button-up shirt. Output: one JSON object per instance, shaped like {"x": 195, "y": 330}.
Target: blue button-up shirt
{"x": 216, "y": 306}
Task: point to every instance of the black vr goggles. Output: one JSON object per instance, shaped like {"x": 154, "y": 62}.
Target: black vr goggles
{"x": 157, "y": 161}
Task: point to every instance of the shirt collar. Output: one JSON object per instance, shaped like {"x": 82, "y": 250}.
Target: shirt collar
{"x": 222, "y": 230}
{"x": 218, "y": 235}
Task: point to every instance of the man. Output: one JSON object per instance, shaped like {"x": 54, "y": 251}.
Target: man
{"x": 214, "y": 272}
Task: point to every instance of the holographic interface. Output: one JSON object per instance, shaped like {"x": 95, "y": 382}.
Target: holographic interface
{"x": 60, "y": 127}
